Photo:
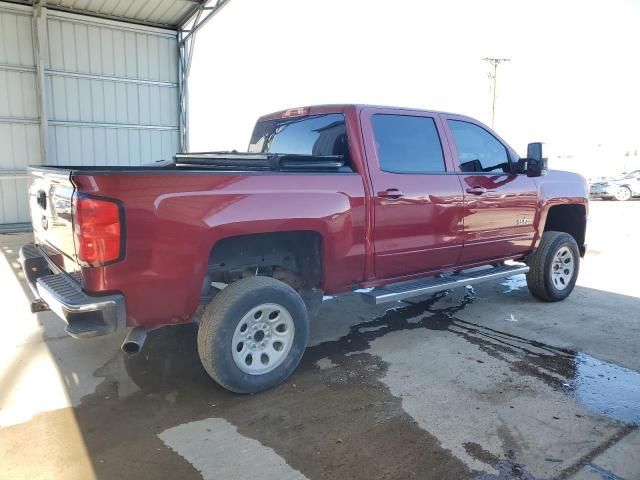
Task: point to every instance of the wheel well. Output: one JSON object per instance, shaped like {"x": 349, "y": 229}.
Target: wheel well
{"x": 571, "y": 219}
{"x": 293, "y": 257}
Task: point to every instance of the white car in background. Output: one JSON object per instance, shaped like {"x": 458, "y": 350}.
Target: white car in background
{"x": 622, "y": 189}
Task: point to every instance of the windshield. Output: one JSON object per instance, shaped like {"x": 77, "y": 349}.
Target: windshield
{"x": 633, "y": 174}
{"x": 311, "y": 135}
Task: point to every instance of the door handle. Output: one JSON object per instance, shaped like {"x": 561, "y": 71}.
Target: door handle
{"x": 390, "y": 193}
{"x": 476, "y": 190}
{"x": 41, "y": 199}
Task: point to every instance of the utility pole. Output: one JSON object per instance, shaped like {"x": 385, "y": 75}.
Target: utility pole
{"x": 494, "y": 78}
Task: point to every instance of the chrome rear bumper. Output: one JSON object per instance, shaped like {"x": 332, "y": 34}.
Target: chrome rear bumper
{"x": 85, "y": 315}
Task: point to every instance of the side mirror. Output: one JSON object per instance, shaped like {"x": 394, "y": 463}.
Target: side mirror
{"x": 521, "y": 166}
{"x": 536, "y": 163}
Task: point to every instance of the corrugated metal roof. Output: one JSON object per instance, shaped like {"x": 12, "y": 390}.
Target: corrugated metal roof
{"x": 157, "y": 13}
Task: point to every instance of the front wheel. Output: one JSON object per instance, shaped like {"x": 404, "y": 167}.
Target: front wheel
{"x": 553, "y": 268}
{"x": 253, "y": 334}
{"x": 622, "y": 194}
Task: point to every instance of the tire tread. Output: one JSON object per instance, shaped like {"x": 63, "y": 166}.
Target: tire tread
{"x": 214, "y": 313}
{"x": 538, "y": 262}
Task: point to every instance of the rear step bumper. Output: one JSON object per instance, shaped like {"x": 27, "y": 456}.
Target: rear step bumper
{"x": 86, "y": 315}
{"x": 415, "y": 288}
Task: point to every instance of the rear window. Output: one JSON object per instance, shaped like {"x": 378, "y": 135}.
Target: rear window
{"x": 311, "y": 135}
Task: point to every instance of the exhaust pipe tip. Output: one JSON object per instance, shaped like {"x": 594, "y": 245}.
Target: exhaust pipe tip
{"x": 131, "y": 348}
{"x": 134, "y": 341}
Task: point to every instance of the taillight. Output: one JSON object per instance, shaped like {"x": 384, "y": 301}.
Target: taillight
{"x": 98, "y": 230}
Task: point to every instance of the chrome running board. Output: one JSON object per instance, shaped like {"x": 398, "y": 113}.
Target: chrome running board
{"x": 414, "y": 288}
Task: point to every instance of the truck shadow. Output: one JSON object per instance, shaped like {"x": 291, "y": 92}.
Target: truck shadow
{"x": 337, "y": 403}
{"x": 335, "y": 417}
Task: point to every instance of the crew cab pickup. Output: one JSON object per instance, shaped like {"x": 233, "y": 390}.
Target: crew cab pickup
{"x": 391, "y": 202}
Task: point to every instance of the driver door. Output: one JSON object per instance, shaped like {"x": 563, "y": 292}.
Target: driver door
{"x": 499, "y": 205}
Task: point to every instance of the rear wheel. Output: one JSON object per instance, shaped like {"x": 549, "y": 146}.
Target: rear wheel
{"x": 553, "y": 268}
{"x": 623, "y": 194}
{"x": 253, "y": 334}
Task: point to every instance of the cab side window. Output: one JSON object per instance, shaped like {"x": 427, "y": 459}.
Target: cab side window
{"x": 407, "y": 144}
{"x": 478, "y": 150}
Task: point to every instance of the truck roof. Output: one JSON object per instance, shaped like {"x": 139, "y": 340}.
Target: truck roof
{"x": 340, "y": 108}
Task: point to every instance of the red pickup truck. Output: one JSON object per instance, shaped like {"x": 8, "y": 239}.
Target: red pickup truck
{"x": 392, "y": 202}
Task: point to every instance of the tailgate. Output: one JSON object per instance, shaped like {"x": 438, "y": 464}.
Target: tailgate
{"x": 50, "y": 197}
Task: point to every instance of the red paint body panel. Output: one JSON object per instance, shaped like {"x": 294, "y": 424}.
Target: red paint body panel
{"x": 422, "y": 230}
{"x": 490, "y": 219}
{"x": 491, "y": 228}
{"x": 558, "y": 188}
{"x": 174, "y": 218}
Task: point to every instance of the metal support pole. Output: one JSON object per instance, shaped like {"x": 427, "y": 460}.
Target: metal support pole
{"x": 186, "y": 43}
{"x": 39, "y": 28}
{"x": 182, "y": 103}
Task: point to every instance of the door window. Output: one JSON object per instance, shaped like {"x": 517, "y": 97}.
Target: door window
{"x": 407, "y": 144}
{"x": 478, "y": 150}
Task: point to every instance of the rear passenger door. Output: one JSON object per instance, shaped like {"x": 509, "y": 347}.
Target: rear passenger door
{"x": 417, "y": 197}
{"x": 499, "y": 204}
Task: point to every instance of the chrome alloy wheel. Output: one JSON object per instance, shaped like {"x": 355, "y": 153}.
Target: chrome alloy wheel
{"x": 562, "y": 268}
{"x": 623, "y": 194}
{"x": 263, "y": 338}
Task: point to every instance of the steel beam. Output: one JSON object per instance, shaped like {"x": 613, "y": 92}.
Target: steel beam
{"x": 186, "y": 42}
{"x": 19, "y": 120}
{"x": 183, "y": 102}
{"x": 13, "y": 174}
{"x": 116, "y": 18}
{"x": 73, "y": 123}
{"x": 202, "y": 16}
{"x": 16, "y": 68}
{"x": 109, "y": 78}
{"x": 40, "y": 36}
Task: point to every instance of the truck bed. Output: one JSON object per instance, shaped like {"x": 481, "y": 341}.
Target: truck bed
{"x": 175, "y": 214}
{"x": 224, "y": 161}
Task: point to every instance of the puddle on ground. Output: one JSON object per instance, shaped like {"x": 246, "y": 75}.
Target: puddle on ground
{"x": 345, "y": 420}
{"x": 338, "y": 422}
{"x": 507, "y": 470}
{"x": 514, "y": 283}
{"x": 601, "y": 387}
{"x": 606, "y": 389}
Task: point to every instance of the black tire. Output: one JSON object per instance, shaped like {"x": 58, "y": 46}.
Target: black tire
{"x": 219, "y": 322}
{"x": 539, "y": 277}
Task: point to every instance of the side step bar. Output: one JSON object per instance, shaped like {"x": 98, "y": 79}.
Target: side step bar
{"x": 414, "y": 288}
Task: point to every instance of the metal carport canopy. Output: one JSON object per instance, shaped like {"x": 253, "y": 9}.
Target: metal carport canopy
{"x": 184, "y": 16}
{"x": 92, "y": 80}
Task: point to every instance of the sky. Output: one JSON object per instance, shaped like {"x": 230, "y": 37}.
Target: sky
{"x": 573, "y": 81}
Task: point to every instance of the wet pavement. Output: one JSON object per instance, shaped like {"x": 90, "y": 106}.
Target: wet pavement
{"x": 483, "y": 383}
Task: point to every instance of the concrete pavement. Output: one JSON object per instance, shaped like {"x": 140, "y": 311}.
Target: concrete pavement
{"x": 483, "y": 383}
